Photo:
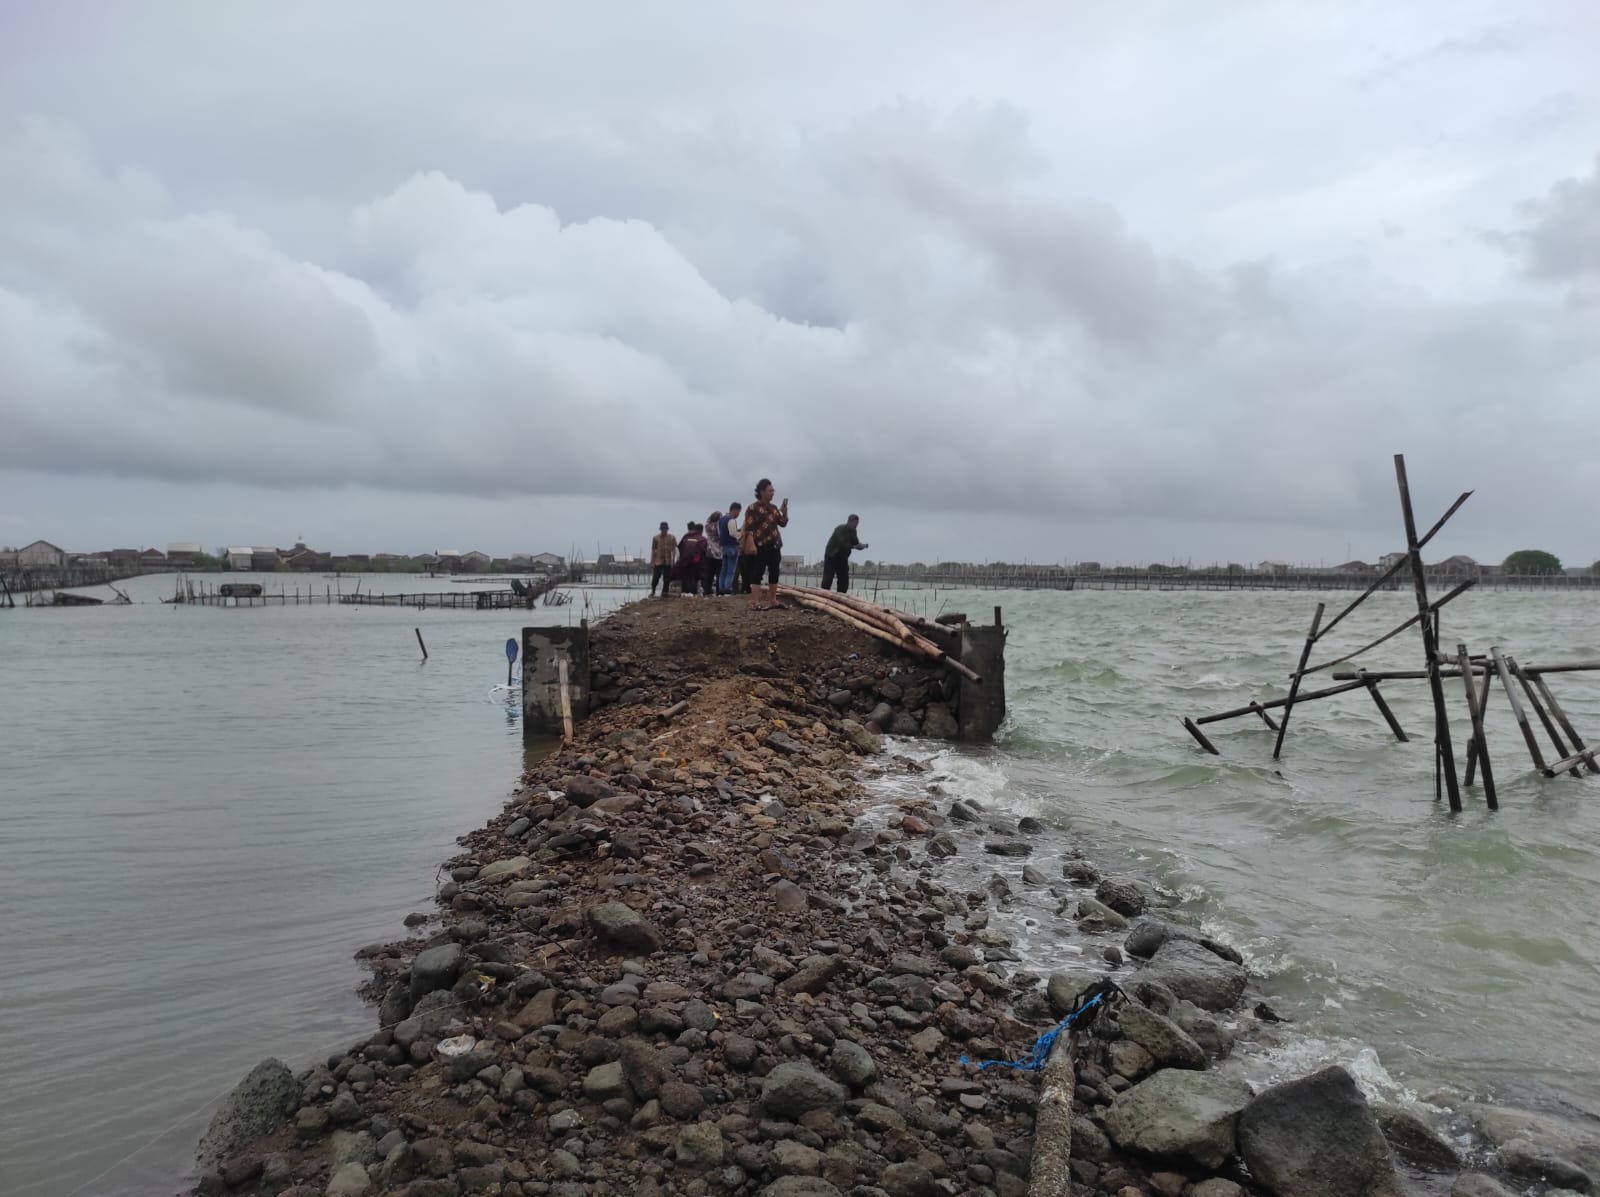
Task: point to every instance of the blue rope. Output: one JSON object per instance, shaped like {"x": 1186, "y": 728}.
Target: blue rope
{"x": 1035, "y": 1059}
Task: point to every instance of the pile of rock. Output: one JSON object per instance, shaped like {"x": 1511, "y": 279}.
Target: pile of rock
{"x": 677, "y": 963}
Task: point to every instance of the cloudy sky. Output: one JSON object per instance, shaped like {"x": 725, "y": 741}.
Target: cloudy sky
{"x": 1147, "y": 281}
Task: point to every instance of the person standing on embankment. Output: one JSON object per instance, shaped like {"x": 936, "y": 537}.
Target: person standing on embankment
{"x": 663, "y": 552}
{"x": 836, "y": 557}
{"x": 727, "y": 531}
{"x": 760, "y": 546}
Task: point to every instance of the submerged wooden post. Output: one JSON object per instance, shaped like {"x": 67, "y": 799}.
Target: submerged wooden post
{"x": 1200, "y": 737}
{"x": 421, "y": 645}
{"x": 1550, "y": 728}
{"x": 1446, "y": 754}
{"x": 1578, "y": 746}
{"x": 1383, "y": 709}
{"x": 1480, "y": 746}
{"x": 1521, "y": 716}
{"x": 1294, "y": 682}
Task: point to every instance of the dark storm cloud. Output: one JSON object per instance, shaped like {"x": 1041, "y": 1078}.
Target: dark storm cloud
{"x": 559, "y": 264}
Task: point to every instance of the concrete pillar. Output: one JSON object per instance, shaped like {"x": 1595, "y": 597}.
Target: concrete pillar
{"x": 542, "y": 650}
{"x": 981, "y": 709}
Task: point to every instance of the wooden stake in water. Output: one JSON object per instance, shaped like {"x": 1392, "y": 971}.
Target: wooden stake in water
{"x": 1294, "y": 681}
{"x": 421, "y": 645}
{"x": 1445, "y": 757}
{"x": 566, "y": 700}
{"x": 1480, "y": 746}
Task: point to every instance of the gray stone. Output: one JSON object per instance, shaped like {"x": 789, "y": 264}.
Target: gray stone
{"x": 909, "y": 1179}
{"x": 436, "y": 968}
{"x": 1196, "y": 975}
{"x": 349, "y": 1181}
{"x": 853, "y": 1064}
{"x": 800, "y": 1186}
{"x": 1528, "y": 1160}
{"x": 258, "y": 1105}
{"x": 604, "y": 1082}
{"x": 1146, "y": 937}
{"x": 790, "y": 1158}
{"x": 1216, "y": 1187}
{"x": 621, "y": 926}
{"x": 1124, "y": 896}
{"x": 1177, "y": 1112}
{"x": 1062, "y": 990}
{"x": 681, "y": 1102}
{"x": 863, "y": 740}
{"x": 699, "y": 1145}
{"x": 1569, "y": 1138}
{"x": 1097, "y": 916}
{"x": 1476, "y": 1184}
{"x": 518, "y": 827}
{"x": 1161, "y": 1037}
{"x": 1008, "y": 847}
{"x": 500, "y": 870}
{"x": 791, "y": 1089}
{"x": 813, "y": 975}
{"x": 943, "y": 845}
{"x": 1317, "y": 1137}
{"x": 939, "y": 722}
{"x": 1032, "y": 875}
{"x": 583, "y": 790}
{"x": 903, "y": 723}
{"x": 1414, "y": 1140}
{"x": 880, "y": 717}
{"x": 354, "y": 1148}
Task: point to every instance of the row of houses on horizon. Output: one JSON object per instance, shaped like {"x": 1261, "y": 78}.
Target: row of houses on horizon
{"x": 43, "y": 554}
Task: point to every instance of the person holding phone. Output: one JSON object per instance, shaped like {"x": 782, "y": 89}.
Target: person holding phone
{"x": 760, "y": 546}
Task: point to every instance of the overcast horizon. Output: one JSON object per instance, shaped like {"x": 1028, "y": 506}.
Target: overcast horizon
{"x": 1167, "y": 283}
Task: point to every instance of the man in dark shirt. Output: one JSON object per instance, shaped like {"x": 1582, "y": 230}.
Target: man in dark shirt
{"x": 836, "y": 557}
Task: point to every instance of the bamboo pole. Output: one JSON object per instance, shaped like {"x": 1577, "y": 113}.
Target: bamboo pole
{"x": 1430, "y": 641}
{"x": 1389, "y": 635}
{"x": 566, "y": 700}
{"x": 1388, "y": 715}
{"x": 1200, "y": 737}
{"x": 1049, "y": 1168}
{"x": 1399, "y": 565}
{"x": 1521, "y": 716}
{"x": 882, "y": 629}
{"x": 1414, "y": 675}
{"x": 1478, "y": 741}
{"x": 1273, "y": 704}
{"x": 1532, "y": 696}
{"x": 1566, "y": 724}
{"x": 1294, "y": 682}
{"x": 1482, "y": 705}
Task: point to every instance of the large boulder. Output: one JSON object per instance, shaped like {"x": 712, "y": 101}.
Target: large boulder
{"x": 1414, "y": 1141}
{"x": 1195, "y": 974}
{"x": 436, "y": 968}
{"x": 1178, "y": 1112}
{"x": 258, "y": 1105}
{"x": 791, "y": 1090}
{"x": 1317, "y": 1137}
{"x": 1568, "y": 1138}
{"x": 583, "y": 790}
{"x": 619, "y": 926}
{"x": 1166, "y": 1042}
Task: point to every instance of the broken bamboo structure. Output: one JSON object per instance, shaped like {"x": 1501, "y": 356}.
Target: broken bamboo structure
{"x": 883, "y": 623}
{"x": 1479, "y": 673}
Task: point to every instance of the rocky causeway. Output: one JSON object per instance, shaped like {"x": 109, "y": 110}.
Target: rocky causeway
{"x": 682, "y": 961}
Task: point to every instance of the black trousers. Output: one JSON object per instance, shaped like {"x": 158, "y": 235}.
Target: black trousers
{"x": 660, "y": 575}
{"x": 836, "y": 567}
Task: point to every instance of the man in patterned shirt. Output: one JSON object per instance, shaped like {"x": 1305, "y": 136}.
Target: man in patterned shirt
{"x": 761, "y": 523}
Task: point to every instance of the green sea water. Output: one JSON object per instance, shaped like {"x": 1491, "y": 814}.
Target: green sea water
{"x": 203, "y": 813}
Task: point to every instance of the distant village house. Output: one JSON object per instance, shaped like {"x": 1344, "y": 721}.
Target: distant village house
{"x": 41, "y": 554}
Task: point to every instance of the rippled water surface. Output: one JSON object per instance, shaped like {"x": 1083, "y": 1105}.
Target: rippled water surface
{"x": 1463, "y": 950}
{"x": 203, "y": 813}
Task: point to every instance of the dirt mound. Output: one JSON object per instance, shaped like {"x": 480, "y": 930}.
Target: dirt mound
{"x": 715, "y": 637}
